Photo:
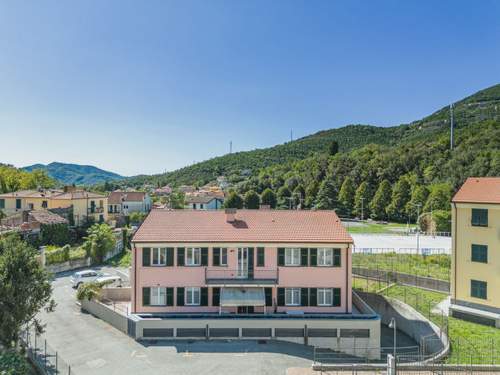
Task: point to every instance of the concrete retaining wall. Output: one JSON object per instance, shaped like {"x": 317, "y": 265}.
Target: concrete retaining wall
{"x": 409, "y": 321}
{"x": 103, "y": 312}
{"x": 69, "y": 265}
{"x": 116, "y": 294}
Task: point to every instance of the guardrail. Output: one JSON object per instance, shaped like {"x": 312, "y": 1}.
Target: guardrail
{"x": 235, "y": 276}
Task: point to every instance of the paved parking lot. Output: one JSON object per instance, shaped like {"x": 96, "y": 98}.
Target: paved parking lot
{"x": 92, "y": 346}
{"x": 401, "y": 244}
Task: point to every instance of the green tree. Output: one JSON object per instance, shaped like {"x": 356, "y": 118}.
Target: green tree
{"x": 311, "y": 193}
{"x": 327, "y": 194}
{"x": 252, "y": 200}
{"x": 333, "y": 148}
{"x": 419, "y": 196}
{"x": 283, "y": 197}
{"x": 268, "y": 198}
{"x": 362, "y": 199}
{"x": 381, "y": 200}
{"x": 401, "y": 194}
{"x": 439, "y": 197}
{"x": 346, "y": 196}
{"x": 24, "y": 289}
{"x": 176, "y": 200}
{"x": 233, "y": 200}
{"x": 298, "y": 196}
{"x": 99, "y": 241}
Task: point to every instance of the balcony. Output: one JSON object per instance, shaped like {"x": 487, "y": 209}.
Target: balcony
{"x": 241, "y": 277}
{"x": 96, "y": 210}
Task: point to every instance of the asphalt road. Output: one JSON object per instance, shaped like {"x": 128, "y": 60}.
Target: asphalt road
{"x": 92, "y": 346}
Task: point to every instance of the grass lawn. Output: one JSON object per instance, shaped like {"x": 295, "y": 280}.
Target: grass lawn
{"x": 124, "y": 259}
{"x": 372, "y": 227}
{"x": 55, "y": 254}
{"x": 468, "y": 340}
{"x": 434, "y": 266}
{"x": 367, "y": 285}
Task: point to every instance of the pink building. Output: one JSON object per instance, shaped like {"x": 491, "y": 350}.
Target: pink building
{"x": 245, "y": 261}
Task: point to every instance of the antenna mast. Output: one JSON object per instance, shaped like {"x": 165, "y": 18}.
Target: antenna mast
{"x": 451, "y": 126}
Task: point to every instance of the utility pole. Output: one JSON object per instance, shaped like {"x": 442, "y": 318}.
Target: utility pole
{"x": 230, "y": 147}
{"x": 451, "y": 126}
{"x": 291, "y": 135}
{"x": 418, "y": 228}
{"x": 362, "y": 208}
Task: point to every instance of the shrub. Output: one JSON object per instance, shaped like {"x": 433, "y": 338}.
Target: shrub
{"x": 13, "y": 363}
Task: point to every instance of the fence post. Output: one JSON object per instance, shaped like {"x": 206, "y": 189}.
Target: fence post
{"x": 45, "y": 357}
{"x": 69, "y": 370}
{"x": 57, "y": 368}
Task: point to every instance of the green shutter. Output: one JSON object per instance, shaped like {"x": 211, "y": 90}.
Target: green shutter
{"x": 170, "y": 296}
{"x": 216, "y": 256}
{"x": 313, "y": 297}
{"x": 250, "y": 262}
{"x": 180, "y": 296}
{"x": 336, "y": 296}
{"x": 146, "y": 296}
{"x": 203, "y": 296}
{"x": 146, "y": 257}
{"x": 170, "y": 257}
{"x": 313, "y": 257}
{"x": 215, "y": 296}
{"x": 281, "y": 296}
{"x": 303, "y": 257}
{"x": 180, "y": 256}
{"x": 336, "y": 257}
{"x": 281, "y": 256}
{"x": 204, "y": 256}
{"x": 260, "y": 257}
{"x": 304, "y": 297}
{"x": 269, "y": 296}
{"x": 479, "y": 253}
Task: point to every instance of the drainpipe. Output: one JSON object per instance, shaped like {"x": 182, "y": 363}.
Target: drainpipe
{"x": 135, "y": 278}
{"x": 454, "y": 249}
{"x": 347, "y": 279}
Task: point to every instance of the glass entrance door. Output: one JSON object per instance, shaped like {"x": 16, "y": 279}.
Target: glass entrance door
{"x": 242, "y": 262}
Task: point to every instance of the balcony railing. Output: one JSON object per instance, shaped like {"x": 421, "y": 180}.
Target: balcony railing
{"x": 96, "y": 210}
{"x": 238, "y": 277}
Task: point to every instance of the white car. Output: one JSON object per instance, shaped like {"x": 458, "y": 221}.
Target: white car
{"x": 87, "y": 276}
{"x": 110, "y": 281}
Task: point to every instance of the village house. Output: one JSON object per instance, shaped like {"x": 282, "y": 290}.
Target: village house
{"x": 126, "y": 202}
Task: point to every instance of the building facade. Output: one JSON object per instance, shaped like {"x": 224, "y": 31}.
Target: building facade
{"x": 476, "y": 259}
{"x": 126, "y": 202}
{"x": 203, "y": 202}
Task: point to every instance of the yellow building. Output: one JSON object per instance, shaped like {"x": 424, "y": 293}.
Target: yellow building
{"x": 475, "y": 283}
{"x": 85, "y": 204}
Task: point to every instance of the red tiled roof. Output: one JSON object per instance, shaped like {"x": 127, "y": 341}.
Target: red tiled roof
{"x": 250, "y": 226}
{"x": 117, "y": 197}
{"x": 479, "y": 190}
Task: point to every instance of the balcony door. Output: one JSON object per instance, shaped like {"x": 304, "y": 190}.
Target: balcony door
{"x": 245, "y": 263}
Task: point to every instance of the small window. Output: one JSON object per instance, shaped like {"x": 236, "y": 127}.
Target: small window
{"x": 194, "y": 206}
{"x": 479, "y": 253}
{"x": 325, "y": 297}
{"x": 292, "y": 296}
{"x": 44, "y": 204}
{"x": 101, "y": 204}
{"x": 2, "y": 203}
{"x": 193, "y": 256}
{"x": 292, "y": 257}
{"x": 325, "y": 257}
{"x": 478, "y": 289}
{"x": 223, "y": 257}
{"x": 158, "y": 296}
{"x": 201, "y": 206}
{"x": 31, "y": 206}
{"x": 18, "y": 204}
{"x": 193, "y": 296}
{"x": 479, "y": 217}
{"x": 159, "y": 256}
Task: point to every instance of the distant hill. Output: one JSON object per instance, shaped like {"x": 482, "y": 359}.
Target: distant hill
{"x": 68, "y": 174}
{"x": 483, "y": 105}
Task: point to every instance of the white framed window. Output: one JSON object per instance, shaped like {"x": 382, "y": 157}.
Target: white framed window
{"x": 158, "y": 296}
{"x": 325, "y": 257}
{"x": 292, "y": 257}
{"x": 193, "y": 256}
{"x": 193, "y": 296}
{"x": 325, "y": 297}
{"x": 159, "y": 256}
{"x": 223, "y": 256}
{"x": 292, "y": 296}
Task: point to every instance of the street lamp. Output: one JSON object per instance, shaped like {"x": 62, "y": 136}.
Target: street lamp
{"x": 392, "y": 324}
{"x": 418, "y": 227}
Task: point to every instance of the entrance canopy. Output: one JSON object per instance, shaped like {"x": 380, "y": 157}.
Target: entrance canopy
{"x": 232, "y": 297}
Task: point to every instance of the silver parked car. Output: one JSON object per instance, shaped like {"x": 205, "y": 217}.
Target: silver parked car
{"x": 87, "y": 276}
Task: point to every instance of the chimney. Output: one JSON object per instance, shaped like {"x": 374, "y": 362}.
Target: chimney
{"x": 69, "y": 189}
{"x": 265, "y": 207}
{"x": 230, "y": 215}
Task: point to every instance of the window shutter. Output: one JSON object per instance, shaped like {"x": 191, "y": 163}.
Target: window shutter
{"x": 180, "y": 256}
{"x": 215, "y": 296}
{"x": 313, "y": 297}
{"x": 203, "y": 296}
{"x": 281, "y": 256}
{"x": 281, "y": 296}
{"x": 260, "y": 257}
{"x": 170, "y": 257}
{"x": 313, "y": 254}
{"x": 146, "y": 296}
{"x": 250, "y": 262}
{"x": 269, "y": 296}
{"x": 146, "y": 257}
{"x": 204, "y": 256}
{"x": 304, "y": 297}
{"x": 303, "y": 257}
{"x": 336, "y": 257}
{"x": 170, "y": 296}
{"x": 180, "y": 296}
{"x": 216, "y": 256}
{"x": 336, "y": 296}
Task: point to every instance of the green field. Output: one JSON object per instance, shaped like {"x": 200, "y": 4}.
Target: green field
{"x": 469, "y": 341}
{"x": 372, "y": 227}
{"x": 434, "y": 266}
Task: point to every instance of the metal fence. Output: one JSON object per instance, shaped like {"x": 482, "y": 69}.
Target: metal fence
{"x": 46, "y": 359}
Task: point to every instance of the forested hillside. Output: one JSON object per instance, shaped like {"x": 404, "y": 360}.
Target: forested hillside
{"x": 68, "y": 174}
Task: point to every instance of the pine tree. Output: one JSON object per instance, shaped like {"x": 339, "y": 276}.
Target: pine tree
{"x": 327, "y": 194}
{"x": 418, "y": 197}
{"x": 346, "y": 196}
{"x": 268, "y": 198}
{"x": 234, "y": 200}
{"x": 401, "y": 195}
{"x": 252, "y": 200}
{"x": 362, "y": 199}
{"x": 381, "y": 200}
{"x": 283, "y": 197}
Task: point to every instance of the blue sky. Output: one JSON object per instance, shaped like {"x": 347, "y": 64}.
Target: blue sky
{"x": 148, "y": 86}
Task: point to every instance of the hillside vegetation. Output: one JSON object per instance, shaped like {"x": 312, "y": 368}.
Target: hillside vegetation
{"x": 13, "y": 179}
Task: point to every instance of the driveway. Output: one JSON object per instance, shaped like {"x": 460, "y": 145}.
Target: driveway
{"x": 92, "y": 346}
